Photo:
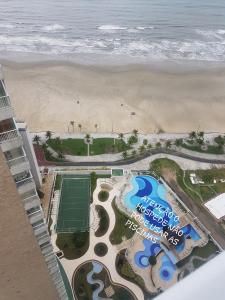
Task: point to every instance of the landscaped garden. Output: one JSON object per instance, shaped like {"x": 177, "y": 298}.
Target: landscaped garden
{"x": 79, "y": 146}
{"x": 73, "y": 245}
{"x": 125, "y": 270}
{"x": 103, "y": 221}
{"x": 103, "y": 196}
{"x": 91, "y": 281}
{"x": 101, "y": 249}
{"x": 198, "y": 192}
{"x": 120, "y": 231}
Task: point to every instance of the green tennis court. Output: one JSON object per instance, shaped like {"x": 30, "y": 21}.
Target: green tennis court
{"x": 73, "y": 210}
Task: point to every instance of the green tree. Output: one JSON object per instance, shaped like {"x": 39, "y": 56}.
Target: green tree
{"x": 96, "y": 127}
{"x": 134, "y": 153}
{"x": 192, "y": 135}
{"x": 158, "y": 145}
{"x": 145, "y": 142}
{"x": 72, "y": 124}
{"x": 141, "y": 149}
{"x": 125, "y": 154}
{"x": 121, "y": 136}
{"x": 168, "y": 144}
{"x": 149, "y": 146}
{"x": 48, "y": 135}
{"x": 132, "y": 140}
{"x": 178, "y": 142}
{"x": 201, "y": 134}
{"x": 37, "y": 139}
{"x": 219, "y": 140}
{"x": 79, "y": 126}
{"x": 135, "y": 132}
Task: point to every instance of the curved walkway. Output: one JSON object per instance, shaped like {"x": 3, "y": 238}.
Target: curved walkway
{"x": 190, "y": 155}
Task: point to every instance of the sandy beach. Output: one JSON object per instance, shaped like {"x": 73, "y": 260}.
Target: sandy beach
{"x": 49, "y": 95}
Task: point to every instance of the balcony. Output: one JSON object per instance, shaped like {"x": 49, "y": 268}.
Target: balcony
{"x": 10, "y": 140}
{"x": 18, "y": 165}
{"x": 36, "y": 216}
{"x": 6, "y": 111}
{"x": 25, "y": 185}
{"x": 31, "y": 201}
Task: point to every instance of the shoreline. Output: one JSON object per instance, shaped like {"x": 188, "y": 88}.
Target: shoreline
{"x": 48, "y": 95}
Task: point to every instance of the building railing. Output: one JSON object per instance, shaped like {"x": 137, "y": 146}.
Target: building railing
{"x": 24, "y": 182}
{"x": 8, "y": 135}
{"x": 4, "y": 101}
{"x": 16, "y": 161}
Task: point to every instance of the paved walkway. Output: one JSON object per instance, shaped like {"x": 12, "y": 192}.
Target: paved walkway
{"x": 110, "y": 258}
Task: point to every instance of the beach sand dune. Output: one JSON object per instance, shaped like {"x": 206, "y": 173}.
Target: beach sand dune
{"x": 50, "y": 95}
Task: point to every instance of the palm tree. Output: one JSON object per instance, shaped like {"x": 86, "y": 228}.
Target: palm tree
{"x": 192, "y": 135}
{"x": 72, "y": 124}
{"x": 149, "y": 146}
{"x": 79, "y": 126}
{"x": 125, "y": 154}
{"x": 134, "y": 153}
{"x": 96, "y": 127}
{"x": 48, "y": 135}
{"x": 37, "y": 139}
{"x": 121, "y": 136}
{"x": 201, "y": 134}
{"x": 178, "y": 142}
{"x": 168, "y": 144}
{"x": 141, "y": 149}
{"x": 145, "y": 142}
{"x": 88, "y": 138}
{"x": 158, "y": 145}
{"x": 135, "y": 132}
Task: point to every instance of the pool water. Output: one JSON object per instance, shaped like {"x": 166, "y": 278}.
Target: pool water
{"x": 148, "y": 187}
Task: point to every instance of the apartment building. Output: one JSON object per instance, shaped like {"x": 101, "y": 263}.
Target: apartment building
{"x": 28, "y": 266}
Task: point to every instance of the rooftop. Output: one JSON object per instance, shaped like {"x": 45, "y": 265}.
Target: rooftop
{"x": 217, "y": 206}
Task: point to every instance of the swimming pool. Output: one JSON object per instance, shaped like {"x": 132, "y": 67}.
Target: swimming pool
{"x": 148, "y": 192}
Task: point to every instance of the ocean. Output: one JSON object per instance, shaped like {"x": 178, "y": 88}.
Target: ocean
{"x": 114, "y": 30}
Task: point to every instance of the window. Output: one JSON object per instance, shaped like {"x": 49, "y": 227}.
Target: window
{"x": 38, "y": 223}
{"x": 12, "y": 154}
{"x": 39, "y": 235}
{"x": 7, "y": 125}
{"x": 33, "y": 209}
{"x": 22, "y": 176}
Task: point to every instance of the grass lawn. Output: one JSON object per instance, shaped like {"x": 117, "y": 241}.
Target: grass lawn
{"x": 209, "y": 189}
{"x": 166, "y": 166}
{"x": 104, "y": 221}
{"x": 81, "y": 287}
{"x": 212, "y": 149}
{"x": 69, "y": 146}
{"x": 119, "y": 231}
{"x": 78, "y": 147}
{"x": 199, "y": 193}
{"x": 58, "y": 182}
{"x": 73, "y": 245}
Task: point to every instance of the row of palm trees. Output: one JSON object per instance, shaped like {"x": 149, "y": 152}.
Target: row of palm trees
{"x": 79, "y": 125}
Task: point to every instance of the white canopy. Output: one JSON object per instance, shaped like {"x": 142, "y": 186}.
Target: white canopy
{"x": 217, "y": 206}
